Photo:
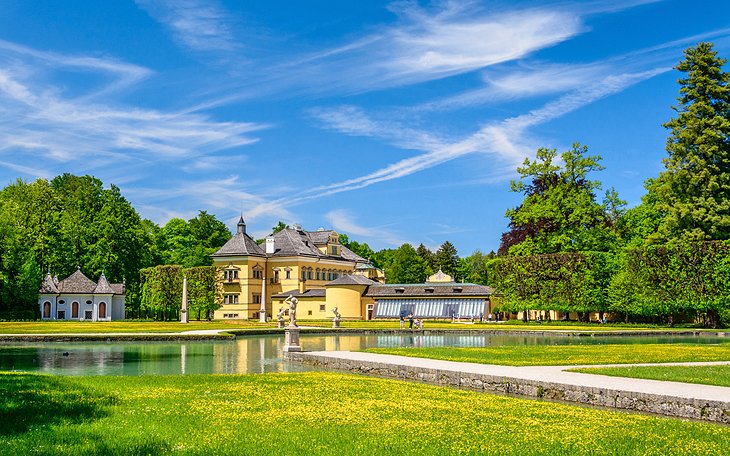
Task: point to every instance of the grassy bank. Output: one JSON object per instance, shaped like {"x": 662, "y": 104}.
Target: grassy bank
{"x": 556, "y": 355}
{"x": 76, "y": 327}
{"x": 706, "y": 375}
{"x": 316, "y": 413}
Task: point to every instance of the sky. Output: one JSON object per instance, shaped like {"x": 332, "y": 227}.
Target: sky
{"x": 391, "y": 122}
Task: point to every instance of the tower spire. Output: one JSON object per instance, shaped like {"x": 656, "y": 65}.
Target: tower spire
{"x": 241, "y": 226}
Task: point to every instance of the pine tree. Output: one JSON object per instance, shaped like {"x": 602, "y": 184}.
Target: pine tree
{"x": 447, "y": 259}
{"x": 694, "y": 190}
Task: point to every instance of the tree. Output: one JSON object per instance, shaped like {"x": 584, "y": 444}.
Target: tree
{"x": 447, "y": 259}
{"x": 475, "y": 267}
{"x": 694, "y": 189}
{"x": 279, "y": 226}
{"x": 405, "y": 266}
{"x": 428, "y": 256}
{"x": 559, "y": 212}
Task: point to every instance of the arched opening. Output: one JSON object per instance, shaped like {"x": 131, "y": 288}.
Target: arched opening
{"x": 102, "y": 310}
{"x": 46, "y": 309}
{"x": 75, "y": 310}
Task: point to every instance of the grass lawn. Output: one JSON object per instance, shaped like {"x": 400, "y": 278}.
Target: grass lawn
{"x": 317, "y": 413}
{"x": 77, "y": 327}
{"x": 707, "y": 375}
{"x": 556, "y": 355}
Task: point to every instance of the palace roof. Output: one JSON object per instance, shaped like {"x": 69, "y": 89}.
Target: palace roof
{"x": 352, "y": 279}
{"x": 312, "y": 293}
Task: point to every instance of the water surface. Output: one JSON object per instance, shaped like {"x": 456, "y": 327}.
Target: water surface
{"x": 256, "y": 354}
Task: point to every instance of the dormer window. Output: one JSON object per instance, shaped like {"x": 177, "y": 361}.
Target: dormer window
{"x": 333, "y": 250}
{"x": 429, "y": 289}
{"x": 400, "y": 290}
{"x": 458, "y": 289}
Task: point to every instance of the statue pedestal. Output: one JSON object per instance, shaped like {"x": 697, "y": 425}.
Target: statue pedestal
{"x": 184, "y": 316}
{"x": 335, "y": 323}
{"x": 281, "y": 324}
{"x": 291, "y": 339}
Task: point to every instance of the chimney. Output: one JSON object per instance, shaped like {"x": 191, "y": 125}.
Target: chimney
{"x": 302, "y": 285}
{"x": 270, "y": 246}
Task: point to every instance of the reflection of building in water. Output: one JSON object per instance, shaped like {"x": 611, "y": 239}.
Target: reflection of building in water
{"x": 432, "y": 340}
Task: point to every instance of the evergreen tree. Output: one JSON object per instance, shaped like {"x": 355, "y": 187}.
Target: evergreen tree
{"x": 694, "y": 190}
{"x": 447, "y": 259}
{"x": 428, "y": 257}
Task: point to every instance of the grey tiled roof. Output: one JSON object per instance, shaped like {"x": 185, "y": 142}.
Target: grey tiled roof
{"x": 77, "y": 283}
{"x": 352, "y": 279}
{"x": 48, "y": 285}
{"x": 80, "y": 284}
{"x": 103, "y": 287}
{"x": 291, "y": 242}
{"x": 313, "y": 293}
{"x": 352, "y": 256}
{"x": 420, "y": 290}
{"x": 240, "y": 244}
{"x": 320, "y": 237}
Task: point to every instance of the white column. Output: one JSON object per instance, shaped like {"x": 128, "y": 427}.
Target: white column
{"x": 262, "y": 310}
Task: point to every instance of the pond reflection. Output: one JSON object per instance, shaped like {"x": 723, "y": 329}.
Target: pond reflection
{"x": 253, "y": 354}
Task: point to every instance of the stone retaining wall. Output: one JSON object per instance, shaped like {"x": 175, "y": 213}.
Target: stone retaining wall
{"x": 652, "y": 403}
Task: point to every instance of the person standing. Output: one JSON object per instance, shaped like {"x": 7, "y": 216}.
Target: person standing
{"x": 402, "y": 320}
{"x": 410, "y": 321}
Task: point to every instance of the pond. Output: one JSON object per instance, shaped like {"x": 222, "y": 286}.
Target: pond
{"x": 255, "y": 354}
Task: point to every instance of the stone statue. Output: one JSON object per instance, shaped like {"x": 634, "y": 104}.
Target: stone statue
{"x": 292, "y": 301}
{"x": 280, "y": 316}
{"x": 336, "y": 320}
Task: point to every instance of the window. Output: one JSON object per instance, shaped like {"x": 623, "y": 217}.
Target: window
{"x": 46, "y": 309}
{"x": 61, "y": 315}
{"x": 276, "y": 276}
{"x": 334, "y": 249}
{"x": 62, "y": 301}
{"x": 258, "y": 274}
{"x": 89, "y": 302}
{"x": 318, "y": 274}
{"x": 102, "y": 310}
{"x": 321, "y": 307}
{"x": 230, "y": 275}
{"x": 288, "y": 273}
{"x": 310, "y": 274}
{"x": 309, "y": 312}
{"x": 256, "y": 298}
{"x": 88, "y": 315}
{"x": 230, "y": 299}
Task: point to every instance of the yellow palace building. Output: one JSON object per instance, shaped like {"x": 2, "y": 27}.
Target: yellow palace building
{"x": 292, "y": 261}
{"x": 323, "y": 274}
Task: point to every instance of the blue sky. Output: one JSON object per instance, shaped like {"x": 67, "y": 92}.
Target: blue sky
{"x": 391, "y": 122}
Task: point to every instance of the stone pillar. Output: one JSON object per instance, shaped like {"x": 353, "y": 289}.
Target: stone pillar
{"x": 262, "y": 309}
{"x": 184, "y": 309}
{"x": 291, "y": 339}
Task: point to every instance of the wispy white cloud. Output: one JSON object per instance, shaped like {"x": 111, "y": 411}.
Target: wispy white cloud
{"x": 196, "y": 24}
{"x": 343, "y": 221}
{"x": 42, "y": 120}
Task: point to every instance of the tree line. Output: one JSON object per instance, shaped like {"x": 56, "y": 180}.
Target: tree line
{"x": 667, "y": 258}
{"x": 72, "y": 221}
